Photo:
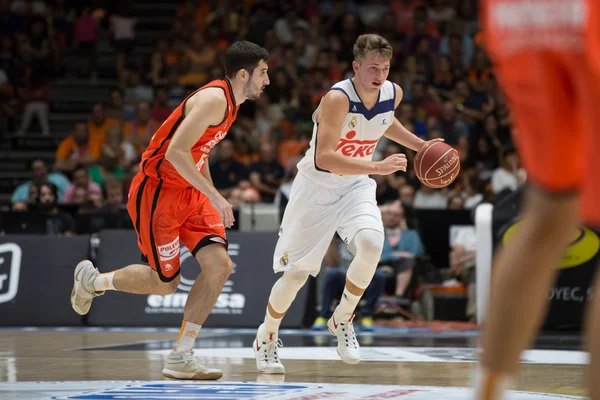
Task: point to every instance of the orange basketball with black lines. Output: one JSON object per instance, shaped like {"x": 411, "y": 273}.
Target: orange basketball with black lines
{"x": 437, "y": 164}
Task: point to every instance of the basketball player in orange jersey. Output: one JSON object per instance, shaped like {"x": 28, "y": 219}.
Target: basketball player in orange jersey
{"x": 547, "y": 62}
{"x": 172, "y": 198}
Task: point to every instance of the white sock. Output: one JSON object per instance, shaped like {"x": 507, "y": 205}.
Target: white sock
{"x": 269, "y": 326}
{"x": 491, "y": 385}
{"x": 104, "y": 282}
{"x": 348, "y": 303}
{"x": 187, "y": 336}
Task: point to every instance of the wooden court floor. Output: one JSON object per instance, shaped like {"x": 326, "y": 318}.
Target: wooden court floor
{"x": 138, "y": 356}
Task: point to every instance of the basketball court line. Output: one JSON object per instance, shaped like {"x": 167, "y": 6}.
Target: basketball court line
{"x": 393, "y": 354}
{"x": 161, "y": 390}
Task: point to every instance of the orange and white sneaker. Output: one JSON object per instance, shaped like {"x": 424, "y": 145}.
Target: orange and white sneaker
{"x": 347, "y": 346}
{"x": 265, "y": 351}
{"x": 83, "y": 292}
{"x": 183, "y": 365}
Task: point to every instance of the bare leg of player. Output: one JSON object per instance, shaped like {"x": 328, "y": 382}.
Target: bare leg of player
{"x": 216, "y": 268}
{"x": 141, "y": 279}
{"x": 522, "y": 275}
{"x": 138, "y": 279}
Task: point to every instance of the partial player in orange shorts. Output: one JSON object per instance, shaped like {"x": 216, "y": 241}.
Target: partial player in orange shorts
{"x": 546, "y": 54}
{"x": 172, "y": 199}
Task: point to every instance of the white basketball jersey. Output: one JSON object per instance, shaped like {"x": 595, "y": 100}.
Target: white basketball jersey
{"x": 361, "y": 131}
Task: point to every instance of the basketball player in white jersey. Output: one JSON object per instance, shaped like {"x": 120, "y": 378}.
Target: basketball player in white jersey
{"x": 333, "y": 192}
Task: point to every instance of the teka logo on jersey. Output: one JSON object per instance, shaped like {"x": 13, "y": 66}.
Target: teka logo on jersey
{"x": 227, "y": 303}
{"x": 356, "y": 148}
{"x": 10, "y": 268}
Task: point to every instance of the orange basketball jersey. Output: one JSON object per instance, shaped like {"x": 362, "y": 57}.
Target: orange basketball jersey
{"x": 153, "y": 162}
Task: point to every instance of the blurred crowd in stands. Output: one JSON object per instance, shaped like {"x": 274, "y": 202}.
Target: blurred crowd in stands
{"x": 449, "y": 90}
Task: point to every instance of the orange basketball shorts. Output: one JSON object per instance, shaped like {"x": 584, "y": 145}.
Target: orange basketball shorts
{"x": 164, "y": 216}
{"x": 553, "y": 95}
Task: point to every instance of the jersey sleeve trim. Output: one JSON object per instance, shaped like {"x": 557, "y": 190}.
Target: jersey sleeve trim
{"x": 315, "y": 152}
{"x": 343, "y": 91}
{"x": 394, "y": 94}
{"x": 207, "y": 87}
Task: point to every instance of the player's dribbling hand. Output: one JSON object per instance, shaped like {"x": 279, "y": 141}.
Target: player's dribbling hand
{"x": 395, "y": 162}
{"x": 225, "y": 210}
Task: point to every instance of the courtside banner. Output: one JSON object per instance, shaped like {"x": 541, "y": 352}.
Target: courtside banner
{"x": 36, "y": 278}
{"x": 242, "y": 302}
{"x": 573, "y": 288}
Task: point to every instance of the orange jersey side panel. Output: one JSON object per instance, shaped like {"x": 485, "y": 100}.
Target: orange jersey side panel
{"x": 153, "y": 162}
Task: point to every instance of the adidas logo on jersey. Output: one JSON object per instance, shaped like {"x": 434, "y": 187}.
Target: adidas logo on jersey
{"x": 356, "y": 148}
{"x": 354, "y": 108}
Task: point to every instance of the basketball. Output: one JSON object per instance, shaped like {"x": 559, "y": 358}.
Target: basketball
{"x": 437, "y": 164}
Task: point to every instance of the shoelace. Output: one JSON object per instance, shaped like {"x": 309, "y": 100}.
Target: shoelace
{"x": 271, "y": 351}
{"x": 349, "y": 334}
{"x": 193, "y": 361}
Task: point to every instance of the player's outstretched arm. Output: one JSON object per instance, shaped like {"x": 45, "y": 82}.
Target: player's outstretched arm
{"x": 204, "y": 109}
{"x": 331, "y": 116}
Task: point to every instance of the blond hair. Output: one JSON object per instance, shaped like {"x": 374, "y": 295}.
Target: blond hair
{"x": 372, "y": 43}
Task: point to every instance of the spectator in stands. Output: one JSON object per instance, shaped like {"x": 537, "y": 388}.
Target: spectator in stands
{"x": 100, "y": 123}
{"x": 176, "y": 90}
{"x": 9, "y": 101}
{"x": 161, "y": 109}
{"x": 384, "y": 193}
{"x": 114, "y": 212}
{"x": 81, "y": 179}
{"x": 36, "y": 96}
{"x": 473, "y": 192}
{"x": 85, "y": 43}
{"x": 198, "y": 59}
{"x": 401, "y": 247}
{"x": 267, "y": 174}
{"x": 509, "y": 176}
{"x": 456, "y": 202}
{"x": 136, "y": 91}
{"x": 37, "y": 48}
{"x": 140, "y": 131}
{"x": 462, "y": 263}
{"x": 227, "y": 173}
{"x": 19, "y": 206}
{"x": 39, "y": 174}
{"x": 122, "y": 30}
{"x": 284, "y": 27}
{"x": 107, "y": 167}
{"x": 58, "y": 222}
{"x": 451, "y": 127}
{"x": 157, "y": 73}
{"x": 427, "y": 197}
{"x": 116, "y": 107}
{"x": 116, "y": 146}
{"x": 78, "y": 148}
{"x": 336, "y": 262}
{"x": 407, "y": 195}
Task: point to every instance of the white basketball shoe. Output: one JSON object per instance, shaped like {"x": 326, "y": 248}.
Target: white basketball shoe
{"x": 347, "y": 346}
{"x": 83, "y": 292}
{"x": 265, "y": 351}
{"x": 183, "y": 365}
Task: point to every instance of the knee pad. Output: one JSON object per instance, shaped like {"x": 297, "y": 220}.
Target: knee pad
{"x": 367, "y": 245}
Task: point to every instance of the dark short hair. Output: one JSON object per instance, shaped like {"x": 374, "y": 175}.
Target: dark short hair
{"x": 80, "y": 167}
{"x": 243, "y": 55}
{"x": 51, "y": 186}
{"x": 32, "y": 161}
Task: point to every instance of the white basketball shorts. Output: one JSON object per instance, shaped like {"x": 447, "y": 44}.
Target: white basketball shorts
{"x": 313, "y": 215}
